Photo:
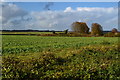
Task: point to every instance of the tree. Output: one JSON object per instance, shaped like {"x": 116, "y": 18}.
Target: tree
{"x": 66, "y": 31}
{"x": 96, "y": 29}
{"x": 53, "y": 32}
{"x": 114, "y": 30}
{"x": 80, "y": 27}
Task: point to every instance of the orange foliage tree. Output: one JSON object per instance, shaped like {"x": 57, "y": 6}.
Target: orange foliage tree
{"x": 80, "y": 27}
{"x": 114, "y": 30}
{"x": 96, "y": 29}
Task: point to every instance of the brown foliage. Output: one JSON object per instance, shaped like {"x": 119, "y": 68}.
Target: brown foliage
{"x": 111, "y": 34}
{"x": 96, "y": 29}
{"x": 46, "y": 34}
{"x": 114, "y": 30}
{"x": 80, "y": 27}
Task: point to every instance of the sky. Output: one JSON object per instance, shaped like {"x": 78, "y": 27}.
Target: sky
{"x": 59, "y": 0}
{"x": 57, "y": 15}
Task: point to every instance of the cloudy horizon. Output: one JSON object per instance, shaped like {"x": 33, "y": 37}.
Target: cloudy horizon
{"x": 57, "y": 16}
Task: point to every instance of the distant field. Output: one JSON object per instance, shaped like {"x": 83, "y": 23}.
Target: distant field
{"x": 27, "y": 44}
{"x": 26, "y": 32}
{"x": 60, "y": 58}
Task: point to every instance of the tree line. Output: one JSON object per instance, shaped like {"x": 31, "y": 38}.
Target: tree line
{"x": 96, "y": 29}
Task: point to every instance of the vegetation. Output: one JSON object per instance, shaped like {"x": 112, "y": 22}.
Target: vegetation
{"x": 54, "y": 32}
{"x": 67, "y": 64}
{"x": 30, "y": 44}
{"x": 63, "y": 58}
{"x": 26, "y": 32}
{"x": 66, "y": 31}
{"x": 96, "y": 29}
{"x": 111, "y": 34}
{"x": 114, "y": 30}
{"x": 80, "y": 27}
{"x": 61, "y": 55}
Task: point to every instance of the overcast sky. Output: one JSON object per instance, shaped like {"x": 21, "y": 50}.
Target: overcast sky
{"x": 58, "y": 15}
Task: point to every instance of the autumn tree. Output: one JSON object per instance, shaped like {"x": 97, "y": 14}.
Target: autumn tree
{"x": 80, "y": 27}
{"x": 114, "y": 30}
{"x": 96, "y": 29}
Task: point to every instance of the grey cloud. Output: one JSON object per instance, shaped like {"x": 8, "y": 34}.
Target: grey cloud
{"x": 59, "y": 20}
{"x": 10, "y": 11}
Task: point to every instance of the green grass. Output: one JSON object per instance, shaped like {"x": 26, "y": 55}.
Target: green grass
{"x": 30, "y": 44}
{"x": 26, "y": 32}
{"x": 60, "y": 58}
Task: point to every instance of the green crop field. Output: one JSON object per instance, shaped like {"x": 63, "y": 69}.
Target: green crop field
{"x": 60, "y": 58}
{"x": 28, "y": 44}
{"x": 25, "y": 32}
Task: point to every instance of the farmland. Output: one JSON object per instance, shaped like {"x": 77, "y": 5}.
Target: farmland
{"x": 71, "y": 58}
{"x": 23, "y": 44}
{"x": 26, "y": 32}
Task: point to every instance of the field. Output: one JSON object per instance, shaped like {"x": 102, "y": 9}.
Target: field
{"x": 26, "y": 32}
{"x": 63, "y": 58}
{"x": 29, "y": 44}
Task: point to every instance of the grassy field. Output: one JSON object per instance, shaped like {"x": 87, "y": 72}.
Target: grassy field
{"x": 60, "y": 58}
{"x": 28, "y": 44}
{"x": 25, "y": 32}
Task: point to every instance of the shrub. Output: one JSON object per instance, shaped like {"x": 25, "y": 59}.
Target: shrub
{"x": 117, "y": 34}
{"x": 111, "y": 34}
{"x": 66, "y": 31}
{"x": 54, "y": 32}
